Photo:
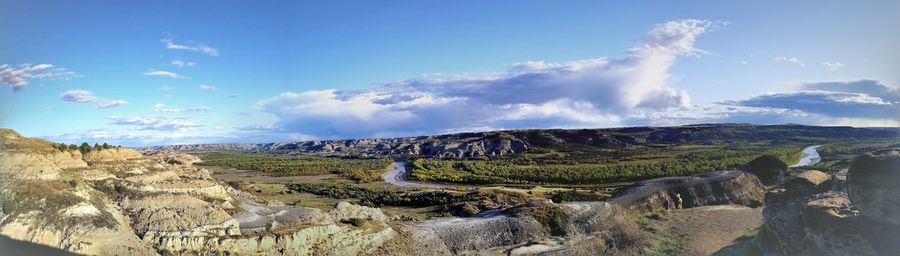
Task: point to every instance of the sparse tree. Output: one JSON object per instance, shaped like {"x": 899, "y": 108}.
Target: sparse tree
{"x": 85, "y": 148}
{"x": 106, "y": 146}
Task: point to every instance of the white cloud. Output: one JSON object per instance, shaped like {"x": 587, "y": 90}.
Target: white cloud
{"x": 165, "y": 88}
{"x": 162, "y": 108}
{"x": 208, "y": 88}
{"x": 584, "y": 93}
{"x": 165, "y": 74}
{"x": 189, "y": 47}
{"x": 790, "y": 60}
{"x": 181, "y": 63}
{"x": 158, "y": 123}
{"x": 86, "y": 97}
{"x": 18, "y": 77}
{"x": 833, "y": 65}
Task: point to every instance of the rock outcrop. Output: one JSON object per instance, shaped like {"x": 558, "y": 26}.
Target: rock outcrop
{"x": 714, "y": 188}
{"x": 346, "y": 211}
{"x": 38, "y": 165}
{"x": 182, "y": 159}
{"x": 460, "y": 235}
{"x": 126, "y": 204}
{"x": 28, "y": 158}
{"x": 111, "y": 154}
{"x": 803, "y": 217}
{"x": 769, "y": 169}
{"x": 874, "y": 185}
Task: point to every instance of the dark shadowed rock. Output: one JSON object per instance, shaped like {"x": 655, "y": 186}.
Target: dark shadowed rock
{"x": 874, "y": 185}
{"x": 822, "y": 224}
{"x": 768, "y": 168}
{"x": 803, "y": 218}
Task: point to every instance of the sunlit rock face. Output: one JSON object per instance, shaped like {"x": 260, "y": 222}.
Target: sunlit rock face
{"x": 111, "y": 154}
{"x": 116, "y": 201}
{"x": 874, "y": 185}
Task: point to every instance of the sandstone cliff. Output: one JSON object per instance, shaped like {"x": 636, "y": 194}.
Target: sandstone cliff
{"x": 111, "y": 154}
{"x": 34, "y": 158}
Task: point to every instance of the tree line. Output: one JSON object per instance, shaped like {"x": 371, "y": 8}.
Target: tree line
{"x": 531, "y": 169}
{"x": 84, "y": 147}
{"x": 363, "y": 170}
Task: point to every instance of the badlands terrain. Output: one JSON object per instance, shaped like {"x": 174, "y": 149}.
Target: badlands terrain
{"x": 465, "y": 194}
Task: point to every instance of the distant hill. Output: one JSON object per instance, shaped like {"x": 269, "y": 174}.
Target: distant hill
{"x": 500, "y": 143}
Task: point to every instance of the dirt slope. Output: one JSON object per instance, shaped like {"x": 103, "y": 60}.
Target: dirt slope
{"x": 708, "y": 229}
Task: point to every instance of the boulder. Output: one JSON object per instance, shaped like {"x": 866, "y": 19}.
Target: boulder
{"x": 809, "y": 182}
{"x": 803, "y": 218}
{"x": 346, "y": 211}
{"x": 181, "y": 159}
{"x": 821, "y": 224}
{"x": 874, "y": 185}
{"x": 769, "y": 169}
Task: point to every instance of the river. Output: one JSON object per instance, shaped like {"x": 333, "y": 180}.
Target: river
{"x": 396, "y": 176}
{"x": 810, "y": 157}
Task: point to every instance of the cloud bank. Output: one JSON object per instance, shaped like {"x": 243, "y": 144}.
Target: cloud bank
{"x": 584, "y": 93}
{"x": 865, "y": 101}
{"x": 86, "y": 97}
{"x": 156, "y": 123}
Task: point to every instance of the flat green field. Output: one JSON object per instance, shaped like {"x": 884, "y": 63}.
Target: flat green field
{"x": 588, "y": 166}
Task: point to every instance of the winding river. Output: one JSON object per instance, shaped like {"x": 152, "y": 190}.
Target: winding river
{"x": 395, "y": 177}
{"x": 810, "y": 157}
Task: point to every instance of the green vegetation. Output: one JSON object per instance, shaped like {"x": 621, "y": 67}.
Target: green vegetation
{"x": 552, "y": 217}
{"x": 380, "y": 197}
{"x": 667, "y": 244}
{"x": 84, "y": 148}
{"x": 576, "y": 196}
{"x": 647, "y": 222}
{"x": 839, "y": 155}
{"x": 596, "y": 165}
{"x": 362, "y": 170}
{"x": 750, "y": 234}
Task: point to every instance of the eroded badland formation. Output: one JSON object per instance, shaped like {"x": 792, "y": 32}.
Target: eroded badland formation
{"x": 124, "y": 202}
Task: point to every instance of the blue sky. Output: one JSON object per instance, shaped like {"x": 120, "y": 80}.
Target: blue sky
{"x": 162, "y": 72}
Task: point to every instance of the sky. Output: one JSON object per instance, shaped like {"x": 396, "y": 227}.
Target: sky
{"x": 181, "y": 72}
